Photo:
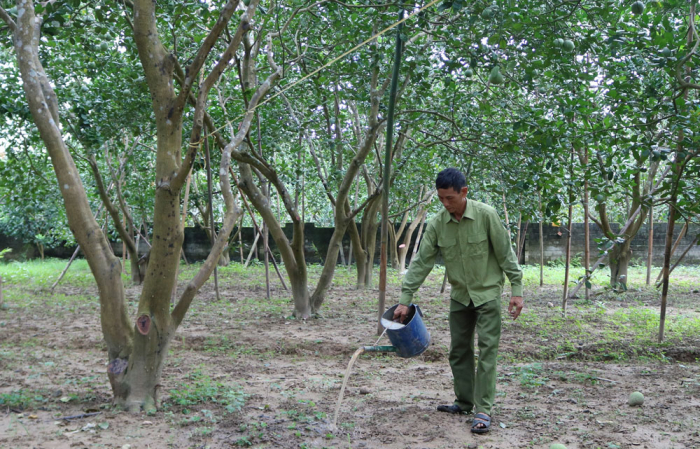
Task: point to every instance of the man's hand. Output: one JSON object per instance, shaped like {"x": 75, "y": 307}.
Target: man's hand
{"x": 401, "y": 313}
{"x": 515, "y": 306}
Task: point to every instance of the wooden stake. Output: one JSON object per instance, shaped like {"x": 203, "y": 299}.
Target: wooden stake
{"x": 539, "y": 198}
{"x": 586, "y": 228}
{"x": 650, "y": 249}
{"x": 675, "y": 247}
{"x": 63, "y": 273}
{"x": 252, "y": 249}
{"x": 386, "y": 176}
{"x": 240, "y": 238}
{"x": 687, "y": 249}
{"x": 211, "y": 214}
{"x": 567, "y": 267}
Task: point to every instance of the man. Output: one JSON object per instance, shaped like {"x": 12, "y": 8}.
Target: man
{"x": 477, "y": 252}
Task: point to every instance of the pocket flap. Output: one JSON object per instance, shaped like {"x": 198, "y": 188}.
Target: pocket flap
{"x": 476, "y": 238}
{"x": 446, "y": 242}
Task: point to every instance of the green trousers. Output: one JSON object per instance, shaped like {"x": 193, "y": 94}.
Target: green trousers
{"x": 475, "y": 388}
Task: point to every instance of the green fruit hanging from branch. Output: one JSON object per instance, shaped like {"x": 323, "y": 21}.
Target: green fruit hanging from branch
{"x": 637, "y": 8}
{"x": 495, "y": 77}
{"x": 568, "y": 45}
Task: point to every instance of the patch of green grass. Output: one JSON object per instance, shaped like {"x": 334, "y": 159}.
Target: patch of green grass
{"x": 22, "y": 399}
{"x": 40, "y": 274}
{"x": 201, "y": 389}
{"x": 531, "y": 376}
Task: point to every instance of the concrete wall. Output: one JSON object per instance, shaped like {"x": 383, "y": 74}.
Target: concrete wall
{"x": 555, "y": 243}
{"x": 196, "y": 244}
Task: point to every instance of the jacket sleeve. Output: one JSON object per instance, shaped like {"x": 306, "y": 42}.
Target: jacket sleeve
{"x": 421, "y": 264}
{"x": 504, "y": 254}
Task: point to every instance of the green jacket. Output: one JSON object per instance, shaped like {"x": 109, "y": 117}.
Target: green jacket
{"x": 476, "y": 250}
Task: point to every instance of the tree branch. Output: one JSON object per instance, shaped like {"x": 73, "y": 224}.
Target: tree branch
{"x": 203, "y": 94}
{"x": 8, "y": 20}
{"x": 233, "y": 213}
{"x": 193, "y": 69}
{"x": 113, "y": 211}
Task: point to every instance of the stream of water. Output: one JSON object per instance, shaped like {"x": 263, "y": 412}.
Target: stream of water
{"x": 357, "y": 353}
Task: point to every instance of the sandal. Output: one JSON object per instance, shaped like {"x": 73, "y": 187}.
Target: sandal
{"x": 454, "y": 409}
{"x": 484, "y": 420}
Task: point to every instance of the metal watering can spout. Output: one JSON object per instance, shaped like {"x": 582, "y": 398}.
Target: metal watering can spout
{"x": 379, "y": 348}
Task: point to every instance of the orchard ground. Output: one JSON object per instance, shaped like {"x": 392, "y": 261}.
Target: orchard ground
{"x": 243, "y": 373}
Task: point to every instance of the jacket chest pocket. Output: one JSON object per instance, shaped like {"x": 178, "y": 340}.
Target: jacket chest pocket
{"x": 477, "y": 244}
{"x": 448, "y": 247}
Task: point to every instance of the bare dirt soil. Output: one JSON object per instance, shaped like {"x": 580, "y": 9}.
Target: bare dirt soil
{"x": 558, "y": 387}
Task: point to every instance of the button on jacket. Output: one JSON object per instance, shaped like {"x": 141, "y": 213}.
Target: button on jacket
{"x": 476, "y": 250}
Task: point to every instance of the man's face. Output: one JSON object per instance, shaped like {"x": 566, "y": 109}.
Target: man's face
{"x": 454, "y": 201}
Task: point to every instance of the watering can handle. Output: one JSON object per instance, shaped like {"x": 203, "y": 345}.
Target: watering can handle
{"x": 420, "y": 312}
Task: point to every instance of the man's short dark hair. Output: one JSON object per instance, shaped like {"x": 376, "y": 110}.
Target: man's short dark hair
{"x": 450, "y": 178}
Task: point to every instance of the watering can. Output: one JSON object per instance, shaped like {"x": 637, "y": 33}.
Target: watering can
{"x": 409, "y": 338}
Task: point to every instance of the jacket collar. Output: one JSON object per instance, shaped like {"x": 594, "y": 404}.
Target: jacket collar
{"x": 468, "y": 212}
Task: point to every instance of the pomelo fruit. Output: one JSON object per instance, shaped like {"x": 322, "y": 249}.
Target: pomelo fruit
{"x": 557, "y": 446}
{"x": 636, "y": 399}
{"x": 568, "y": 45}
{"x": 496, "y": 77}
{"x": 637, "y": 8}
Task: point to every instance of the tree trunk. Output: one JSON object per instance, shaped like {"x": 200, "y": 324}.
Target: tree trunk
{"x": 392, "y": 247}
{"x": 620, "y": 257}
{"x": 370, "y": 226}
{"x": 43, "y": 105}
{"x": 136, "y": 352}
{"x": 360, "y": 255}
